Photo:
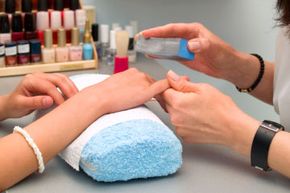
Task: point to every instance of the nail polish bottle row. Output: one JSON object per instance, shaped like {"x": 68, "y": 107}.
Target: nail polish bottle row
{"x": 20, "y": 53}
{"x": 46, "y": 18}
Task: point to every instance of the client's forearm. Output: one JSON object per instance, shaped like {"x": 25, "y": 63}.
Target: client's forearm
{"x": 51, "y": 133}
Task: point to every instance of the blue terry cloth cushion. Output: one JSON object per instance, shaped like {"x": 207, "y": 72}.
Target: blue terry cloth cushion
{"x": 131, "y": 150}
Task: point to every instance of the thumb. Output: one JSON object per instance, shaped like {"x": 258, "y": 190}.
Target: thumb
{"x": 39, "y": 102}
{"x": 198, "y": 45}
{"x": 180, "y": 83}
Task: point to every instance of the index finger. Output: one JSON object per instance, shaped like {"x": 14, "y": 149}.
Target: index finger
{"x": 176, "y": 30}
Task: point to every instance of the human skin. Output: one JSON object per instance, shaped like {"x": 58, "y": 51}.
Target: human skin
{"x": 53, "y": 132}
{"x": 216, "y": 58}
{"x": 202, "y": 114}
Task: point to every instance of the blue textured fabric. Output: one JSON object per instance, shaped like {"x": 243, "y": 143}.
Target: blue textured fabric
{"x": 131, "y": 150}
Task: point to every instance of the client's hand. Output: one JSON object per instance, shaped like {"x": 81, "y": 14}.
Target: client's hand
{"x": 128, "y": 89}
{"x": 202, "y": 114}
{"x": 36, "y": 91}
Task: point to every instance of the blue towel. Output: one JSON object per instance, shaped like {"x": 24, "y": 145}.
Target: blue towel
{"x": 131, "y": 150}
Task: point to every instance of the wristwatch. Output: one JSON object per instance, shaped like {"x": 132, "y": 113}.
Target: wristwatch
{"x": 261, "y": 144}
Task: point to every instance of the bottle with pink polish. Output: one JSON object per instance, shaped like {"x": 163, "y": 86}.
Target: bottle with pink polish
{"x": 42, "y": 16}
{"x": 75, "y": 50}
{"x": 48, "y": 52}
{"x": 62, "y": 52}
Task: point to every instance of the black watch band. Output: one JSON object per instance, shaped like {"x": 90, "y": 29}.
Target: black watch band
{"x": 261, "y": 144}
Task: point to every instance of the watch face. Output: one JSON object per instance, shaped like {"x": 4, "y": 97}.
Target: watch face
{"x": 273, "y": 126}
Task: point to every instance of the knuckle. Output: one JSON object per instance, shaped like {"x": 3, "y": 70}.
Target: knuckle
{"x": 175, "y": 119}
{"x": 133, "y": 70}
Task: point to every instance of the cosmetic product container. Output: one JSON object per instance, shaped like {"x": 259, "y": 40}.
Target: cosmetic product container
{"x": 26, "y": 6}
{"x": 80, "y": 21}
{"x": 48, "y": 52}
{"x": 2, "y": 6}
{"x": 95, "y": 35}
{"x": 90, "y": 13}
{"x": 104, "y": 41}
{"x": 132, "y": 54}
{"x": 30, "y": 26}
{"x": 18, "y": 6}
{"x": 112, "y": 51}
{"x": 50, "y": 4}
{"x": 62, "y": 52}
{"x": 35, "y": 51}
{"x": 164, "y": 48}
{"x": 17, "y": 27}
{"x": 116, "y": 27}
{"x": 68, "y": 22}
{"x": 56, "y": 18}
{"x": 88, "y": 50}
{"x": 23, "y": 52}
{"x": 2, "y": 55}
{"x": 11, "y": 54}
{"x": 10, "y": 8}
{"x": 5, "y": 35}
{"x": 34, "y": 4}
{"x": 121, "y": 59}
{"x": 42, "y": 16}
{"x": 75, "y": 50}
{"x": 135, "y": 25}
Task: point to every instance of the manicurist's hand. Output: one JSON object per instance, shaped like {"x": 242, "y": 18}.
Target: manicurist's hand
{"x": 128, "y": 89}
{"x": 202, "y": 114}
{"x": 36, "y": 91}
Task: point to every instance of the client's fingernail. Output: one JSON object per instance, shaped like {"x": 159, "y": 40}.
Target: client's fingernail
{"x": 173, "y": 75}
{"x": 194, "y": 46}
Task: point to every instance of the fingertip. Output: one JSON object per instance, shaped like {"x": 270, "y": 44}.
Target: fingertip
{"x": 47, "y": 102}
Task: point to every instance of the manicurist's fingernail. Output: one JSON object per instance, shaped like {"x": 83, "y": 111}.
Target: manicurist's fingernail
{"x": 194, "y": 46}
{"x": 173, "y": 75}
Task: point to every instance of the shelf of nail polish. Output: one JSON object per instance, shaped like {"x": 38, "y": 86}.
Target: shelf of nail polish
{"x": 46, "y": 36}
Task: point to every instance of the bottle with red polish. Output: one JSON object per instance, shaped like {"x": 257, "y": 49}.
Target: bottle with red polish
{"x": 11, "y": 54}
{"x": 30, "y": 27}
{"x": 56, "y": 18}
{"x": 23, "y": 52}
{"x": 17, "y": 27}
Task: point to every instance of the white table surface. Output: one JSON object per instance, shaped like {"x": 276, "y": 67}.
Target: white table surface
{"x": 206, "y": 168}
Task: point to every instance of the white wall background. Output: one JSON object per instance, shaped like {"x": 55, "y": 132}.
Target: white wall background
{"x": 248, "y": 25}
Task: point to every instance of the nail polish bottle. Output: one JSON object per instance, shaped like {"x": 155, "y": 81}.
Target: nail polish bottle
{"x": 2, "y": 55}
{"x": 121, "y": 59}
{"x": 2, "y": 6}
{"x": 66, "y": 3}
{"x": 26, "y": 6}
{"x": 35, "y": 51}
{"x": 34, "y": 4}
{"x": 30, "y": 26}
{"x": 56, "y": 18}
{"x": 11, "y": 54}
{"x": 18, "y": 6}
{"x": 62, "y": 52}
{"x": 111, "y": 52}
{"x": 68, "y": 22}
{"x": 42, "y": 17}
{"x": 90, "y": 12}
{"x": 23, "y": 50}
{"x": 80, "y": 16}
{"x": 131, "y": 50}
{"x": 95, "y": 35}
{"x": 10, "y": 8}
{"x": 17, "y": 27}
{"x": 48, "y": 52}
{"x": 5, "y": 35}
{"x": 88, "y": 50}
{"x": 50, "y": 4}
{"x": 75, "y": 50}
{"x": 104, "y": 41}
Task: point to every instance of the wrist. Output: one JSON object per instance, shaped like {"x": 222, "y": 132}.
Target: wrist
{"x": 245, "y": 69}
{"x": 244, "y": 129}
{"x": 4, "y": 110}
